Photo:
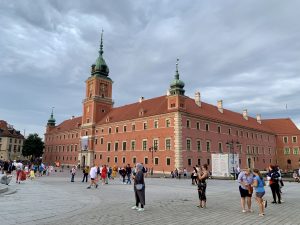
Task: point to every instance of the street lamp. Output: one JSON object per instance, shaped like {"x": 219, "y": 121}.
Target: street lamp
{"x": 152, "y": 150}
{"x": 231, "y": 151}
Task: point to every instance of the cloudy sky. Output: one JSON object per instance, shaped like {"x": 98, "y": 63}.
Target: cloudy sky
{"x": 244, "y": 52}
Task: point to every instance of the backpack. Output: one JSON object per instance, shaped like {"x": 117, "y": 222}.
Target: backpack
{"x": 275, "y": 176}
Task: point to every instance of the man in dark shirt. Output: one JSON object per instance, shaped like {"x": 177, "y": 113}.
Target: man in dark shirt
{"x": 128, "y": 173}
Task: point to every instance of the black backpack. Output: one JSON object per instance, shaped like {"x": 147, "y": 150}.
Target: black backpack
{"x": 275, "y": 176}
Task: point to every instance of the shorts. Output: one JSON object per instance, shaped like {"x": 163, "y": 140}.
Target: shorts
{"x": 244, "y": 193}
{"x": 260, "y": 194}
{"x": 92, "y": 178}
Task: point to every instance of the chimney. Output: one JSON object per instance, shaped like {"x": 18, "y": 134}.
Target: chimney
{"x": 72, "y": 117}
{"x": 220, "y": 106}
{"x": 141, "y": 99}
{"x": 198, "y": 98}
{"x": 245, "y": 114}
{"x": 258, "y": 118}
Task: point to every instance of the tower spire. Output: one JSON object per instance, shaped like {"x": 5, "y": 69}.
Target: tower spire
{"x": 101, "y": 43}
{"x": 177, "y": 73}
{"x": 51, "y": 121}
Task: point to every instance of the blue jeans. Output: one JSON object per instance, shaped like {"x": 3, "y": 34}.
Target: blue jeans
{"x": 128, "y": 179}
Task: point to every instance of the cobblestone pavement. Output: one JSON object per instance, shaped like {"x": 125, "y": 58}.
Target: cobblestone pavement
{"x": 55, "y": 200}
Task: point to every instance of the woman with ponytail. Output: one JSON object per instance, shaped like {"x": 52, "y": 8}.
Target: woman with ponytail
{"x": 259, "y": 184}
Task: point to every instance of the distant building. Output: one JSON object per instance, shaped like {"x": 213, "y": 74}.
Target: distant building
{"x": 11, "y": 142}
{"x": 166, "y": 132}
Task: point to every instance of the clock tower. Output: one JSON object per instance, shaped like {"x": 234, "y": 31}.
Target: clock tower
{"x": 98, "y": 97}
{"x": 96, "y": 104}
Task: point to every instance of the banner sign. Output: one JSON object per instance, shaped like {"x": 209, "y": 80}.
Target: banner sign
{"x": 224, "y": 164}
{"x": 84, "y": 143}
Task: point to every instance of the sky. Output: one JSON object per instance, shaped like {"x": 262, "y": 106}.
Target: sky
{"x": 246, "y": 53}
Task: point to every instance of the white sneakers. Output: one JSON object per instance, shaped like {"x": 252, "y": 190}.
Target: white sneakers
{"x": 137, "y": 208}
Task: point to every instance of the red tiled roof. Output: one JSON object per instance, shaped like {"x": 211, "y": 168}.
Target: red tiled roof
{"x": 6, "y": 131}
{"x": 159, "y": 105}
{"x": 212, "y": 112}
{"x": 282, "y": 126}
{"x": 67, "y": 125}
{"x": 150, "y": 107}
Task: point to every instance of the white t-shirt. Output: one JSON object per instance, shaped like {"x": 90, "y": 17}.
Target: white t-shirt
{"x": 93, "y": 172}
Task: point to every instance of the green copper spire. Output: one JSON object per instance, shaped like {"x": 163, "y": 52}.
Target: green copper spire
{"x": 100, "y": 68}
{"x": 176, "y": 87}
{"x": 101, "y": 44}
{"x": 51, "y": 121}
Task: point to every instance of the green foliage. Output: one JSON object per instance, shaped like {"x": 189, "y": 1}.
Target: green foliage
{"x": 33, "y": 146}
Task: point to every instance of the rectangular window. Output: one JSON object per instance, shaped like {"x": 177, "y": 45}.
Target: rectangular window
{"x": 123, "y": 160}
{"x": 199, "y": 162}
{"x": 101, "y": 141}
{"x": 207, "y": 127}
{"x": 286, "y": 151}
{"x": 116, "y": 146}
{"x": 144, "y": 145}
{"x": 146, "y": 161}
{"x": 220, "y": 147}
{"x": 133, "y": 127}
{"x": 188, "y": 124}
{"x": 198, "y": 145}
{"x": 96, "y": 141}
{"x": 116, "y": 159}
{"x": 155, "y": 124}
{"x": 296, "y": 151}
{"x": 155, "y": 144}
{"x": 109, "y": 130}
{"x": 124, "y": 145}
{"x": 294, "y": 139}
{"x": 219, "y": 129}
{"x": 270, "y": 151}
{"x": 188, "y": 144}
{"x": 208, "y": 146}
{"x": 189, "y": 162}
{"x": 134, "y": 160}
{"x": 168, "y": 124}
{"x": 117, "y": 129}
{"x": 155, "y": 161}
{"x": 247, "y": 134}
{"x": 145, "y": 126}
{"x": 168, "y": 144}
{"x": 208, "y": 162}
{"x": 124, "y": 129}
{"x": 229, "y": 131}
{"x": 132, "y": 145}
{"x": 108, "y": 146}
{"x": 198, "y": 126}
{"x": 168, "y": 161}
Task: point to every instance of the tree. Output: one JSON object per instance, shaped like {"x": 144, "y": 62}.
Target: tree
{"x": 33, "y": 146}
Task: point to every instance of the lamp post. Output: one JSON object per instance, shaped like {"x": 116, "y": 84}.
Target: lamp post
{"x": 152, "y": 150}
{"x": 231, "y": 145}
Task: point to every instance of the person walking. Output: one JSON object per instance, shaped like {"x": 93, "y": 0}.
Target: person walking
{"x": 19, "y": 169}
{"x": 122, "y": 172}
{"x": 128, "y": 173}
{"x": 273, "y": 177}
{"x": 73, "y": 172}
{"x": 85, "y": 171}
{"x": 194, "y": 175}
{"x": 104, "y": 175}
{"x": 202, "y": 176}
{"x": 245, "y": 180}
{"x": 139, "y": 188}
{"x": 258, "y": 184}
{"x": 93, "y": 175}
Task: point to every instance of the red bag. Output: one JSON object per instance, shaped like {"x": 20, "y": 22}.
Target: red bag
{"x": 23, "y": 176}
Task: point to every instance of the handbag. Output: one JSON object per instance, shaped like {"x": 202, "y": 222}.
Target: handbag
{"x": 139, "y": 187}
{"x": 250, "y": 190}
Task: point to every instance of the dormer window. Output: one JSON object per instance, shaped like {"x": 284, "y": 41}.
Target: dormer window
{"x": 107, "y": 119}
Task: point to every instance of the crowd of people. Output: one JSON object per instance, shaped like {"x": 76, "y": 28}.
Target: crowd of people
{"x": 24, "y": 169}
{"x": 249, "y": 180}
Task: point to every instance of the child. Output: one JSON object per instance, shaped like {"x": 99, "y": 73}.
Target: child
{"x": 32, "y": 175}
